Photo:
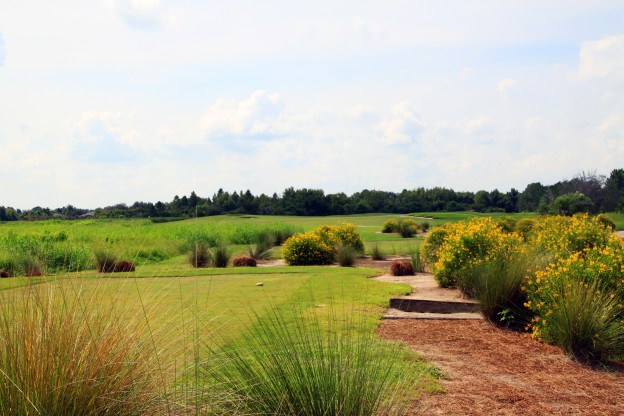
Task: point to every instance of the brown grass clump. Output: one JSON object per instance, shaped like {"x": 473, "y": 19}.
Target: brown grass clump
{"x": 402, "y": 268}
{"x": 4, "y": 273}
{"x": 123, "y": 266}
{"x": 62, "y": 355}
{"x": 244, "y": 261}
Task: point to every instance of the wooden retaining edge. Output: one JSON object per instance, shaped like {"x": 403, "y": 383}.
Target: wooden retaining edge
{"x": 433, "y": 306}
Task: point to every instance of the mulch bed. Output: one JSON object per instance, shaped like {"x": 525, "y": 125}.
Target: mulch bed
{"x": 491, "y": 371}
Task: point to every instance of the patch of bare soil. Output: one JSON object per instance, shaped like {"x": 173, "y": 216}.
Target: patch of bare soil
{"x": 491, "y": 371}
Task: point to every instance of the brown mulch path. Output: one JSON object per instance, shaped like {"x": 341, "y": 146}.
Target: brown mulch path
{"x": 491, "y": 371}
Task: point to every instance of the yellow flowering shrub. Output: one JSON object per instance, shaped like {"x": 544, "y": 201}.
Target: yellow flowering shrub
{"x": 578, "y": 298}
{"x": 320, "y": 245}
{"x": 306, "y": 249}
{"x": 563, "y": 236}
{"x": 466, "y": 244}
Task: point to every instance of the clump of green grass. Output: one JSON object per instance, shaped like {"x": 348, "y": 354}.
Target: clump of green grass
{"x": 376, "y": 253}
{"x": 105, "y": 261}
{"x": 200, "y": 256}
{"x": 346, "y": 255}
{"x": 221, "y": 256}
{"x": 417, "y": 260}
{"x": 262, "y": 250}
{"x": 497, "y": 285}
{"x": 61, "y": 356}
{"x": 308, "y": 367}
{"x": 586, "y": 321}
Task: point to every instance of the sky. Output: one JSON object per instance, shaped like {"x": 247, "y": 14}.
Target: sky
{"x": 117, "y": 101}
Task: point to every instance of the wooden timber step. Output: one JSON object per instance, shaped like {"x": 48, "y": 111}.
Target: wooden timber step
{"x": 407, "y": 304}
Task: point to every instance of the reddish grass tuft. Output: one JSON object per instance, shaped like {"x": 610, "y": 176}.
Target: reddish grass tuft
{"x": 244, "y": 261}
{"x": 4, "y": 273}
{"x": 123, "y": 266}
{"x": 402, "y": 268}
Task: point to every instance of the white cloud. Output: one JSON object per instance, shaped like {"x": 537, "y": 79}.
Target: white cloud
{"x": 404, "y": 126}
{"x": 254, "y": 117}
{"x": 105, "y": 136}
{"x": 504, "y": 86}
{"x": 602, "y": 58}
{"x": 143, "y": 14}
{"x": 2, "y": 50}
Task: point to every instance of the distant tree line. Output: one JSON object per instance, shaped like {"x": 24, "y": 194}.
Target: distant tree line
{"x": 585, "y": 192}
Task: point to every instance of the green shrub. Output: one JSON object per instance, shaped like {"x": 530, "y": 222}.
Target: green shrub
{"x": 606, "y": 221}
{"x": 347, "y": 235}
{"x": 524, "y": 227}
{"x": 407, "y": 228}
{"x": 424, "y": 226}
{"x": 433, "y": 243}
{"x": 390, "y": 226}
{"x": 507, "y": 224}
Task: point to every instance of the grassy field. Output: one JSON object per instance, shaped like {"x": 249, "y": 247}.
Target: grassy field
{"x": 192, "y": 316}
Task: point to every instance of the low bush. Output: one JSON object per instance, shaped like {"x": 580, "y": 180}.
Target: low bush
{"x": 390, "y": 226}
{"x": 524, "y": 227}
{"x": 244, "y": 261}
{"x": 407, "y": 228}
{"x": 401, "y": 268}
{"x": 321, "y": 245}
{"x": 433, "y": 243}
{"x": 307, "y": 249}
{"x": 606, "y": 221}
{"x": 467, "y": 243}
{"x": 4, "y": 273}
{"x": 424, "y": 226}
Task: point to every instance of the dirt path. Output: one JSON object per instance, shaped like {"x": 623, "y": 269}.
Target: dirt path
{"x": 490, "y": 371}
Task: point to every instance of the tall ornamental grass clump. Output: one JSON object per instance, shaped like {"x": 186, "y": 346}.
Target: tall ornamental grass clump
{"x": 321, "y": 245}
{"x": 498, "y": 286}
{"x": 312, "y": 366}
{"x": 61, "y": 356}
